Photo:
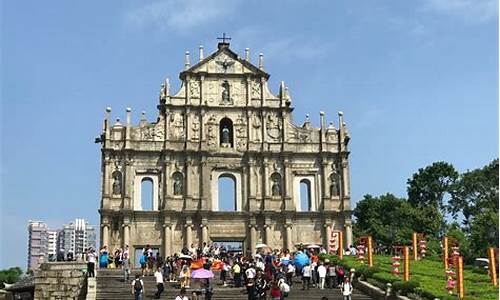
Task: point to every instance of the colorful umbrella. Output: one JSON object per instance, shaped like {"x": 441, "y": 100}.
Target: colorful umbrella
{"x": 301, "y": 259}
{"x": 202, "y": 274}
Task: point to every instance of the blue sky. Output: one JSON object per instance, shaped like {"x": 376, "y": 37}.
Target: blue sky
{"x": 417, "y": 82}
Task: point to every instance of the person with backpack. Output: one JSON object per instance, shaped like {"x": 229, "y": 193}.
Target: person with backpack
{"x": 346, "y": 289}
{"x": 138, "y": 288}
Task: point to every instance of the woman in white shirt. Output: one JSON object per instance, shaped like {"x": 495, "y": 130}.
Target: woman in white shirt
{"x": 182, "y": 295}
{"x": 346, "y": 289}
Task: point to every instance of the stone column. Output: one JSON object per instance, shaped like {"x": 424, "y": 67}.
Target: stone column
{"x": 167, "y": 239}
{"x": 189, "y": 235}
{"x": 289, "y": 244}
{"x": 105, "y": 235}
{"x": 348, "y": 232}
{"x": 204, "y": 233}
{"x": 328, "y": 234}
{"x": 253, "y": 238}
{"x": 126, "y": 235}
{"x": 268, "y": 234}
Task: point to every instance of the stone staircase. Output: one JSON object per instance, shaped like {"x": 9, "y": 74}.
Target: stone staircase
{"x": 110, "y": 285}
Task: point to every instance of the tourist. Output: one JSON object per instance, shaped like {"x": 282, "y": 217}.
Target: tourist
{"x": 118, "y": 258}
{"x": 184, "y": 275}
{"x": 332, "y": 277}
{"x": 143, "y": 263}
{"x": 91, "y": 259}
{"x": 103, "y": 258}
{"x": 261, "y": 286}
{"x": 284, "y": 288}
{"x": 182, "y": 295}
{"x": 126, "y": 264}
{"x": 275, "y": 291}
{"x": 207, "y": 290}
{"x": 321, "y": 274}
{"x": 237, "y": 274}
{"x": 346, "y": 289}
{"x": 138, "y": 288}
{"x": 159, "y": 283}
{"x": 251, "y": 293}
{"x": 289, "y": 273}
{"x": 340, "y": 275}
{"x": 223, "y": 273}
{"x": 306, "y": 276}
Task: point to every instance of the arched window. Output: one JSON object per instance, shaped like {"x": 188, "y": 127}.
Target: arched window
{"x": 227, "y": 192}
{"x": 226, "y": 133}
{"x": 147, "y": 194}
{"x": 178, "y": 184}
{"x": 305, "y": 195}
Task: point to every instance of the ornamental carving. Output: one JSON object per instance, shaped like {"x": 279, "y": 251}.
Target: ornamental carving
{"x": 195, "y": 127}
{"x": 273, "y": 126}
{"x": 212, "y": 131}
{"x": 194, "y": 89}
{"x": 177, "y": 126}
{"x": 256, "y": 90}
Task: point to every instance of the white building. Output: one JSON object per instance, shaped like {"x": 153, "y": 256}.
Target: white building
{"x": 52, "y": 244}
{"x": 77, "y": 236}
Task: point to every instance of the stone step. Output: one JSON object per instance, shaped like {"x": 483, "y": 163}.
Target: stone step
{"x": 110, "y": 285}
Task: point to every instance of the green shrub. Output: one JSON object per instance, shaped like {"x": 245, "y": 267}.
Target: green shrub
{"x": 405, "y": 287}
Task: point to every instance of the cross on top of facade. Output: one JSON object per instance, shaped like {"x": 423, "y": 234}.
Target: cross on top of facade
{"x": 224, "y": 38}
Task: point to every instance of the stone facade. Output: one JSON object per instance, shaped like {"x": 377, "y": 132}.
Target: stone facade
{"x": 223, "y": 122}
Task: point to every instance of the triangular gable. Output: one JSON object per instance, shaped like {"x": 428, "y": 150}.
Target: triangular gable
{"x": 224, "y": 60}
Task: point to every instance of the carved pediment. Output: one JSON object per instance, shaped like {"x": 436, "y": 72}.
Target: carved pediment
{"x": 224, "y": 61}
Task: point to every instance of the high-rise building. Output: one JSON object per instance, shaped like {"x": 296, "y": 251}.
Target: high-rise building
{"x": 52, "y": 244}
{"x": 76, "y": 237}
{"x": 37, "y": 243}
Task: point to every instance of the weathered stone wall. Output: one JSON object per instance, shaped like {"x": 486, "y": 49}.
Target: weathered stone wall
{"x": 60, "y": 280}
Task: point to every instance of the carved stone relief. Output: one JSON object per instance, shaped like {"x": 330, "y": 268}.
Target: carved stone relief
{"x": 212, "y": 131}
{"x": 273, "y": 126}
{"x": 177, "y": 126}
{"x": 194, "y": 89}
{"x": 256, "y": 90}
{"x": 195, "y": 128}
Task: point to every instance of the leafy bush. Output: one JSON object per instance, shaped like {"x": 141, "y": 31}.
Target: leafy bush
{"x": 405, "y": 287}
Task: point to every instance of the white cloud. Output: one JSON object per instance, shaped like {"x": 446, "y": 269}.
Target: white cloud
{"x": 282, "y": 48}
{"x": 181, "y": 15}
{"x": 470, "y": 10}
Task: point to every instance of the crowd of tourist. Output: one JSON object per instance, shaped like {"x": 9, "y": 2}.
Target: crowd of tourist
{"x": 266, "y": 274}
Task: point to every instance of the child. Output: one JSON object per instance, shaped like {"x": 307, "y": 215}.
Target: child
{"x": 275, "y": 292}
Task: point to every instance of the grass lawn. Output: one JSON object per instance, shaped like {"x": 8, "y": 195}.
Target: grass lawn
{"x": 430, "y": 274}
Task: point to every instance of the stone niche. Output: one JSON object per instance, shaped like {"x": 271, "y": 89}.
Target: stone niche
{"x": 61, "y": 280}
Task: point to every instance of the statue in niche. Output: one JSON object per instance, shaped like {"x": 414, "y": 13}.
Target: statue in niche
{"x": 177, "y": 184}
{"x": 334, "y": 185}
{"x": 276, "y": 188}
{"x": 226, "y": 95}
{"x": 117, "y": 183}
{"x": 225, "y": 135}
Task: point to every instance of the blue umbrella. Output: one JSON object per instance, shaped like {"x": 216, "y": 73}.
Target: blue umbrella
{"x": 301, "y": 259}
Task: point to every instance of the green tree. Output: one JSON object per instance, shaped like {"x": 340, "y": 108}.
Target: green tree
{"x": 10, "y": 275}
{"x": 429, "y": 185}
{"x": 427, "y": 190}
{"x": 387, "y": 218}
{"x": 476, "y": 197}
